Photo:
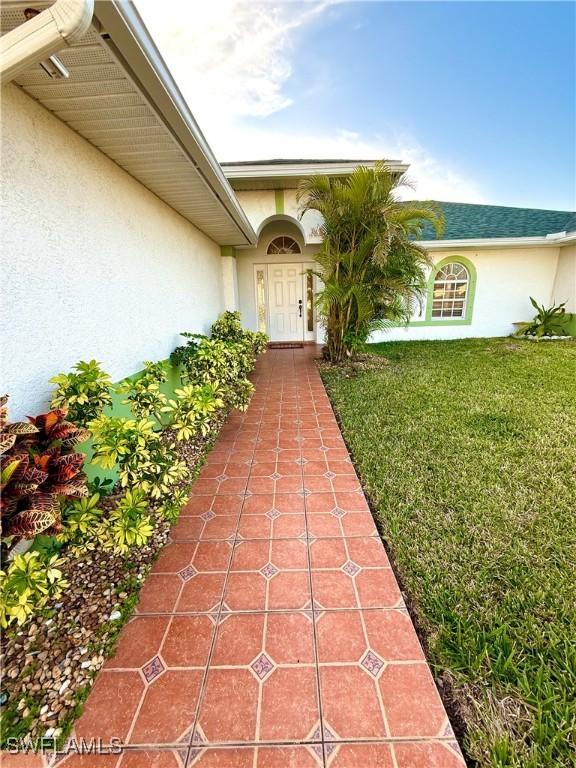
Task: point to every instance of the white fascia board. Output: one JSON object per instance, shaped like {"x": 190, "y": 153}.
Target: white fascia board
{"x": 302, "y": 169}
{"x": 562, "y": 237}
{"x": 547, "y": 241}
{"x": 56, "y": 27}
{"x": 125, "y": 32}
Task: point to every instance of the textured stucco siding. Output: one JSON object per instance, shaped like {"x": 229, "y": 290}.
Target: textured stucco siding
{"x": 93, "y": 264}
{"x": 230, "y": 283}
{"x": 260, "y": 207}
{"x": 565, "y": 280}
{"x": 311, "y": 221}
{"x": 505, "y": 280}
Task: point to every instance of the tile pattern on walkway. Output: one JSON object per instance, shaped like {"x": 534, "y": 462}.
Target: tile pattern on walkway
{"x": 271, "y": 631}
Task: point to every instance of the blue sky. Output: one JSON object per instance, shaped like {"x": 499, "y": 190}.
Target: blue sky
{"x": 478, "y": 96}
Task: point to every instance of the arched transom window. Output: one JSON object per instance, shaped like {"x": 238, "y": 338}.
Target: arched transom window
{"x": 450, "y": 291}
{"x": 283, "y": 245}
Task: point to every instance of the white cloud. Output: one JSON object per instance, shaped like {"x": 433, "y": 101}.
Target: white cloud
{"x": 229, "y": 57}
{"x": 232, "y": 60}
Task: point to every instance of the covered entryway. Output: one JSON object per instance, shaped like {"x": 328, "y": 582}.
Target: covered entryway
{"x": 277, "y": 285}
{"x": 285, "y": 294}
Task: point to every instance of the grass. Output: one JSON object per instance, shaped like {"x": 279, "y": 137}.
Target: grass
{"x": 467, "y": 450}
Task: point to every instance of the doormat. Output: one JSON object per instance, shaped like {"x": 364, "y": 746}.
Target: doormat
{"x": 285, "y": 345}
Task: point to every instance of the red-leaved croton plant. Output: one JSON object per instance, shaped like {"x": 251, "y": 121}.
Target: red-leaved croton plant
{"x": 38, "y": 468}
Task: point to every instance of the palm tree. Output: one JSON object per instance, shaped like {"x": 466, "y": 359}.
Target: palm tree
{"x": 372, "y": 271}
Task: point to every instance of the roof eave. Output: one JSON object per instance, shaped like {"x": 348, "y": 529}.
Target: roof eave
{"x": 546, "y": 241}
{"x": 130, "y": 41}
{"x": 296, "y": 170}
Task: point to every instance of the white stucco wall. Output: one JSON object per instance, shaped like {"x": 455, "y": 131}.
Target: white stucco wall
{"x": 505, "y": 281}
{"x": 229, "y": 283}
{"x": 311, "y": 221}
{"x": 93, "y": 264}
{"x": 565, "y": 282}
{"x": 260, "y": 205}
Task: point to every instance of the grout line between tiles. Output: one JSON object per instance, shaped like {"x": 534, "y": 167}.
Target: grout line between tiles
{"x": 314, "y": 628}
{"x": 215, "y": 633}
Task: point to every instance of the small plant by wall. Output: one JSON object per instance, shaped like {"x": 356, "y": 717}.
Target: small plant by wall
{"x": 225, "y": 359}
{"x": 39, "y": 470}
{"x": 85, "y": 392}
{"x": 144, "y": 395}
{"x": 551, "y": 321}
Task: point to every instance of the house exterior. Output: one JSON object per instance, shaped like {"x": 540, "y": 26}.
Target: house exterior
{"x": 496, "y": 256}
{"x": 121, "y": 229}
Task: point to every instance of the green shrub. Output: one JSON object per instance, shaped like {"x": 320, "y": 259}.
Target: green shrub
{"x": 546, "y": 322}
{"x": 221, "y": 364}
{"x": 224, "y": 360}
{"x": 144, "y": 395}
{"x": 117, "y": 440}
{"x": 144, "y": 461}
{"x": 259, "y": 342}
{"x": 85, "y": 394}
{"x": 242, "y": 393}
{"x": 194, "y": 409}
{"x": 129, "y": 525}
{"x": 80, "y": 523}
{"x": 228, "y": 327}
{"x": 27, "y": 584}
{"x": 101, "y": 486}
{"x": 225, "y": 366}
{"x": 170, "y": 508}
{"x": 183, "y": 355}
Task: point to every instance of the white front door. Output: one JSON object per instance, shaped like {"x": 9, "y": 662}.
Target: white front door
{"x": 285, "y": 302}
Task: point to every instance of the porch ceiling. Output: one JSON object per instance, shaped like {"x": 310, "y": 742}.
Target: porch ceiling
{"x": 121, "y": 98}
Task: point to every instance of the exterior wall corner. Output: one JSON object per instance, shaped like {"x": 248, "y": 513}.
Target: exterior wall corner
{"x": 229, "y": 281}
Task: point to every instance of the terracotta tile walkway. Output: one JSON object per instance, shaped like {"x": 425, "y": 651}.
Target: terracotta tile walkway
{"x": 271, "y": 631}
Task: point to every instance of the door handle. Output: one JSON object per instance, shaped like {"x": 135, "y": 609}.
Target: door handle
{"x": 299, "y": 307}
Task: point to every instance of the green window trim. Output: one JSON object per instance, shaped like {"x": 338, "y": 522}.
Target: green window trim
{"x": 279, "y": 200}
{"x": 467, "y": 319}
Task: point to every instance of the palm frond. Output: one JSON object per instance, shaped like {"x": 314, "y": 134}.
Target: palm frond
{"x": 373, "y": 272}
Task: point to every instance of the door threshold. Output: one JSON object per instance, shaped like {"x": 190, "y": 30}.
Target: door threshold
{"x": 285, "y": 345}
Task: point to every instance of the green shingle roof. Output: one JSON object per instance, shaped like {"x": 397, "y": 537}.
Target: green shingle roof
{"x": 467, "y": 221}
{"x": 570, "y": 225}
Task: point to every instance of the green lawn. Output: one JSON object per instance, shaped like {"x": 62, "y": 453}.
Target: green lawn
{"x": 467, "y": 450}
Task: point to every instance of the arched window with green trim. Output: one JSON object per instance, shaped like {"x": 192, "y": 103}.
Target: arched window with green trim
{"x": 451, "y": 292}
